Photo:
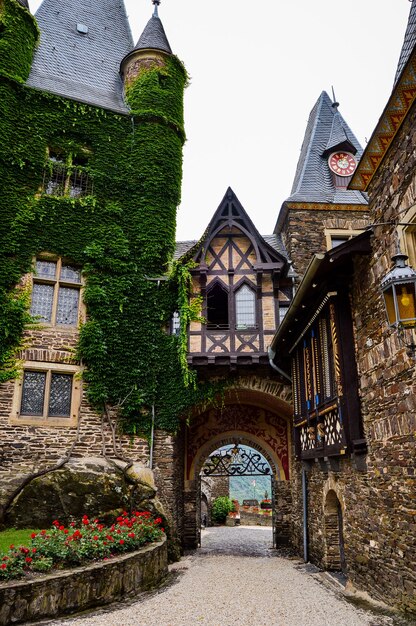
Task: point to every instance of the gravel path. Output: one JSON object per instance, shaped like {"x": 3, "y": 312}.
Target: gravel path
{"x": 235, "y": 579}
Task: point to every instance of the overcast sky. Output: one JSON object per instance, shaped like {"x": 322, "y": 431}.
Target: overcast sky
{"x": 256, "y": 71}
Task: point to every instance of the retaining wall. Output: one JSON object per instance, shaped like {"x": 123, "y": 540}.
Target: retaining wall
{"x": 84, "y": 587}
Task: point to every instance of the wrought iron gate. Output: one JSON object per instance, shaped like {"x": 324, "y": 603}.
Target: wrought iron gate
{"x": 237, "y": 461}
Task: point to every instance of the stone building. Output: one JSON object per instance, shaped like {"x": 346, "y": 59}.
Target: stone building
{"x": 353, "y": 373}
{"x": 292, "y": 357}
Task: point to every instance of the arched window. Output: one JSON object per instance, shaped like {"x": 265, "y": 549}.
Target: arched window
{"x": 217, "y": 308}
{"x": 245, "y": 307}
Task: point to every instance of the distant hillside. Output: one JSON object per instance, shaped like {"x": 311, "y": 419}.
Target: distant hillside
{"x": 242, "y": 488}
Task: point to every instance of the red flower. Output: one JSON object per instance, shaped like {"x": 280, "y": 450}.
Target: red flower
{"x": 72, "y": 524}
{"x": 33, "y": 535}
{"x": 55, "y": 523}
{"x": 163, "y": 530}
{"x": 43, "y": 532}
{"x": 33, "y": 550}
{"x": 11, "y": 546}
{"x": 61, "y": 527}
{"x": 66, "y": 531}
{"x": 28, "y": 559}
{"x": 119, "y": 519}
{"x": 95, "y": 538}
{"x": 132, "y": 535}
{"x": 3, "y": 566}
{"x": 85, "y": 522}
{"x": 158, "y": 520}
{"x": 121, "y": 541}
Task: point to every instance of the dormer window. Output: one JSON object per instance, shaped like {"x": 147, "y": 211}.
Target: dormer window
{"x": 67, "y": 175}
{"x": 245, "y": 308}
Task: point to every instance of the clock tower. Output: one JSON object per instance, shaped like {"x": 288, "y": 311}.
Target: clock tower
{"x": 321, "y": 211}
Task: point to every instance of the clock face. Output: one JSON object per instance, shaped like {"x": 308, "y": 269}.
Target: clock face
{"x": 342, "y": 163}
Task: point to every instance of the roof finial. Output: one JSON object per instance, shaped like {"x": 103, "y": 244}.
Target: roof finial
{"x": 335, "y": 104}
{"x": 156, "y": 3}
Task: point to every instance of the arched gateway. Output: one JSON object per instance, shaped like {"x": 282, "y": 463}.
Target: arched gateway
{"x": 253, "y": 414}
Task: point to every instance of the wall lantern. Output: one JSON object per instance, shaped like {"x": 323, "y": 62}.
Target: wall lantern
{"x": 399, "y": 293}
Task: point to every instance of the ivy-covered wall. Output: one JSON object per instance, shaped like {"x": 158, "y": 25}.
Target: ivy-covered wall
{"x": 121, "y": 235}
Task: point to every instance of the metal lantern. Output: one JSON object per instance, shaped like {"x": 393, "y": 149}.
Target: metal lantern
{"x": 399, "y": 293}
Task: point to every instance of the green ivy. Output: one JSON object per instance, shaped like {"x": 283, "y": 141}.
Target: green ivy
{"x": 123, "y": 236}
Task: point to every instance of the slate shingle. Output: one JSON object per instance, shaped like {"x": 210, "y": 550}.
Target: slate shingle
{"x": 409, "y": 42}
{"x": 313, "y": 180}
{"x": 154, "y": 36}
{"x": 83, "y": 67}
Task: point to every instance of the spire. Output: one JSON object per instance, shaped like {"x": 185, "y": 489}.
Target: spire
{"x": 325, "y": 132}
{"x": 81, "y": 46}
{"x": 154, "y": 36}
{"x": 409, "y": 41}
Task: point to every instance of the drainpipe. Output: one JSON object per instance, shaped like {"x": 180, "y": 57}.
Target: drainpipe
{"x": 305, "y": 515}
{"x": 271, "y": 354}
{"x": 152, "y": 437}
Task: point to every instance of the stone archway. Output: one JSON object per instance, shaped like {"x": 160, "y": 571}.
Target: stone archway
{"x": 250, "y": 415}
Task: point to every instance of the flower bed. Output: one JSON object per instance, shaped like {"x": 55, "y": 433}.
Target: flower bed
{"x": 71, "y": 591}
{"x": 62, "y": 547}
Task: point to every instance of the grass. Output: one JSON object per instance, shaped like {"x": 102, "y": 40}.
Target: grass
{"x": 20, "y": 537}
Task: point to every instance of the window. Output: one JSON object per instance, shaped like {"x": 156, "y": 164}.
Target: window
{"x": 217, "y": 308}
{"x": 56, "y": 292}
{"x": 47, "y": 392}
{"x": 337, "y": 237}
{"x": 283, "y": 309}
{"x": 245, "y": 308}
{"x": 67, "y": 175}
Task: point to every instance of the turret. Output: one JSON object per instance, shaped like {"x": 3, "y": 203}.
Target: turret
{"x": 154, "y": 79}
{"x": 18, "y": 37}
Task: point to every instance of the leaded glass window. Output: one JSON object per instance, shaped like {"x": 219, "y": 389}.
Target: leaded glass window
{"x": 245, "y": 307}
{"x": 67, "y": 311}
{"x": 60, "y": 395}
{"x": 56, "y": 292}
{"x": 176, "y": 324}
{"x": 67, "y": 175}
{"x": 42, "y": 302}
{"x": 33, "y": 394}
{"x": 46, "y": 394}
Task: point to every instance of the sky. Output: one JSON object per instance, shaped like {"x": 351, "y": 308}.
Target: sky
{"x": 256, "y": 70}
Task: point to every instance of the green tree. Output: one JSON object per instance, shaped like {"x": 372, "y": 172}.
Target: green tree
{"x": 220, "y": 509}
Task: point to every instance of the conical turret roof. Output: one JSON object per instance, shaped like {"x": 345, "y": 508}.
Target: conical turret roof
{"x": 154, "y": 35}
{"x": 326, "y": 131}
{"x": 81, "y": 45}
{"x": 409, "y": 41}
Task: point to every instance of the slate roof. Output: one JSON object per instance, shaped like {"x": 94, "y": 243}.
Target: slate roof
{"x": 83, "y": 67}
{"x": 275, "y": 241}
{"x": 409, "y": 42}
{"x": 154, "y": 35}
{"x": 313, "y": 180}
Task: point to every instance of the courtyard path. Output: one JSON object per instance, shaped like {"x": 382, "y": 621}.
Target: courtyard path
{"x": 236, "y": 579}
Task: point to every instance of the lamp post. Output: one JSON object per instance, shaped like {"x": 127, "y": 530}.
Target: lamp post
{"x": 399, "y": 293}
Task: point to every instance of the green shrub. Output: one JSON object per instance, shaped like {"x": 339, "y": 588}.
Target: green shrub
{"x": 220, "y": 509}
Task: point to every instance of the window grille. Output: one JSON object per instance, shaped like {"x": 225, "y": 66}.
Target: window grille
{"x": 67, "y": 176}
{"x": 33, "y": 394}
{"x": 46, "y": 394}
{"x": 245, "y": 305}
{"x": 56, "y": 293}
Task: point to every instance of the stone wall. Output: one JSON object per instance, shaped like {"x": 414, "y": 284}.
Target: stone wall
{"x": 387, "y": 388}
{"x": 82, "y": 588}
{"x": 304, "y": 232}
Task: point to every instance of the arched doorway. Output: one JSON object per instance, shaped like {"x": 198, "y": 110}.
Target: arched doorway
{"x": 252, "y": 418}
{"x": 334, "y": 535}
{"x": 238, "y": 462}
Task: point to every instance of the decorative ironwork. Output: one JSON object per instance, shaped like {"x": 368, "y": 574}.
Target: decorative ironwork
{"x": 236, "y": 461}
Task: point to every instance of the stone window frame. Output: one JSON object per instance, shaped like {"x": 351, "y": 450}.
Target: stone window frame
{"x": 67, "y": 174}
{"x": 57, "y": 282}
{"x": 407, "y": 235}
{"x": 339, "y": 233}
{"x": 44, "y": 420}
